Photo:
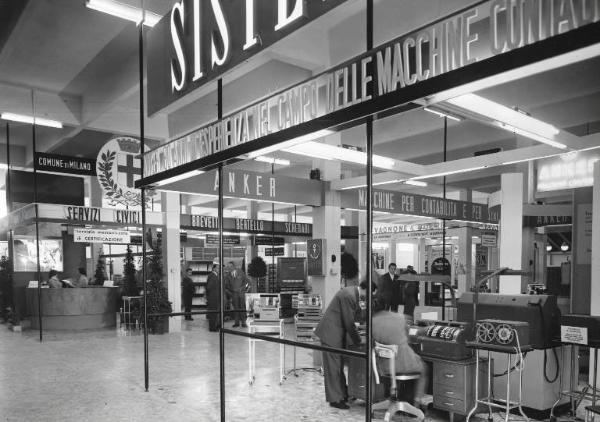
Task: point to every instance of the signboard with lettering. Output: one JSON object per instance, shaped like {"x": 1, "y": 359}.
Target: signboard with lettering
{"x": 245, "y": 225}
{"x": 412, "y": 204}
{"x": 86, "y": 215}
{"x": 101, "y": 236}
{"x": 575, "y": 335}
{"x": 276, "y": 251}
{"x": 315, "y": 253}
{"x": 252, "y": 185}
{"x": 199, "y": 40}
{"x": 567, "y": 171}
{"x": 268, "y": 240}
{"x": 547, "y": 220}
{"x": 379, "y": 78}
{"x": 489, "y": 239}
{"x": 64, "y": 164}
{"x": 213, "y": 239}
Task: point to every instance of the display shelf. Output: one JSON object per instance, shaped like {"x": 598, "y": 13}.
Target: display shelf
{"x": 200, "y": 270}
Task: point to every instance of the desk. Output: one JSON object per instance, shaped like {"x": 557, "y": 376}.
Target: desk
{"x": 574, "y": 394}
{"x": 74, "y": 309}
{"x": 268, "y": 328}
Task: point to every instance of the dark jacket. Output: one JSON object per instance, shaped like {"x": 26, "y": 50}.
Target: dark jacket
{"x": 236, "y": 284}
{"x": 410, "y": 290}
{"x": 339, "y": 317}
{"x": 388, "y": 290}
{"x": 187, "y": 288}
{"x": 213, "y": 286}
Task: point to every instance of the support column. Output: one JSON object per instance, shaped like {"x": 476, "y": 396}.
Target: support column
{"x": 511, "y": 230}
{"x": 465, "y": 246}
{"x": 595, "y": 276}
{"x": 326, "y": 225}
{"x": 171, "y": 254}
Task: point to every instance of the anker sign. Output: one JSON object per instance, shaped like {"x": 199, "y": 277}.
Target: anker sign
{"x": 198, "y": 40}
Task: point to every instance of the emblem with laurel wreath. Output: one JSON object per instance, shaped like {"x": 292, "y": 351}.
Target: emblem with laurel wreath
{"x": 115, "y": 193}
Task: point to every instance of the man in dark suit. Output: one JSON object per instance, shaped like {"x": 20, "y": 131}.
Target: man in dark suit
{"x": 187, "y": 293}
{"x": 213, "y": 302}
{"x": 336, "y": 325}
{"x": 410, "y": 293}
{"x": 236, "y": 285}
{"x": 388, "y": 289}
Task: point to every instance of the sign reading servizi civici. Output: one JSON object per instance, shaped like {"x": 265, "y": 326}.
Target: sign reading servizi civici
{"x": 375, "y": 80}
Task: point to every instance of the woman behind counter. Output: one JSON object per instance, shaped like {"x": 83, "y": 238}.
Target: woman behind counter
{"x": 82, "y": 280}
{"x": 53, "y": 281}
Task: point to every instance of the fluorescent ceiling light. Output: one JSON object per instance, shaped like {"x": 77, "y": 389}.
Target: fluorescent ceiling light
{"x": 447, "y": 173}
{"x": 442, "y": 114}
{"x": 388, "y": 182}
{"x": 272, "y": 160}
{"x": 416, "y": 183}
{"x": 124, "y": 11}
{"x": 333, "y": 152}
{"x": 533, "y": 136}
{"x": 508, "y": 118}
{"x": 31, "y": 120}
{"x": 282, "y": 145}
{"x": 178, "y": 177}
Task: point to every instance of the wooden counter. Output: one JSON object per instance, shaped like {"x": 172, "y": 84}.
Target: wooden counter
{"x": 74, "y": 309}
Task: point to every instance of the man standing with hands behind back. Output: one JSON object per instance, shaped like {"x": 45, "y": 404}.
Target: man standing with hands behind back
{"x": 333, "y": 329}
{"x": 236, "y": 285}
{"x": 389, "y": 289}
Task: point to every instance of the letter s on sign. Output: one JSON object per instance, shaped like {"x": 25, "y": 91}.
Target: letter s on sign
{"x": 177, "y": 13}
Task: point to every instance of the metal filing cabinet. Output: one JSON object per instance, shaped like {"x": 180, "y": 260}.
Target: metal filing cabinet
{"x": 454, "y": 385}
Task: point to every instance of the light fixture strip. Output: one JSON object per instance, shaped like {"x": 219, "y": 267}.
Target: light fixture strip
{"x": 31, "y": 120}
{"x": 124, "y": 11}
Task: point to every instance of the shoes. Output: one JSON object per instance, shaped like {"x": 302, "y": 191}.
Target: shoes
{"x": 244, "y": 325}
{"x": 339, "y": 405}
{"x": 236, "y": 325}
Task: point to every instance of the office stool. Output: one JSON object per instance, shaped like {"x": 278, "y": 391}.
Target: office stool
{"x": 402, "y": 385}
{"x": 591, "y": 411}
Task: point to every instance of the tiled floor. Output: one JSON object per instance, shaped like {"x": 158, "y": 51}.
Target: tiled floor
{"x": 99, "y": 376}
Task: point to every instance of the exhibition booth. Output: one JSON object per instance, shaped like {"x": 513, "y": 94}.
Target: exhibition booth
{"x": 462, "y": 149}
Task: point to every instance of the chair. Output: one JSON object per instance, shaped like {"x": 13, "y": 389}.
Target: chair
{"x": 394, "y": 403}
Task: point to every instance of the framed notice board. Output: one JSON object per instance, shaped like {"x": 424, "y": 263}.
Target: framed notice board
{"x": 291, "y": 274}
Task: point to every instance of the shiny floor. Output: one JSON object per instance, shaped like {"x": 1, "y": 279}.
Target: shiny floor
{"x": 99, "y": 376}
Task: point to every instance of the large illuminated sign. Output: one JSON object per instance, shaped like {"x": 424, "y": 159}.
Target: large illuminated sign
{"x": 567, "y": 171}
{"x": 387, "y": 76}
{"x": 198, "y": 40}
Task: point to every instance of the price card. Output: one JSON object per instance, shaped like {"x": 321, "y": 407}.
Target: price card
{"x": 577, "y": 335}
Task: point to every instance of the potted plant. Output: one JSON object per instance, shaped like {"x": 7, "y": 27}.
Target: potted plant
{"x": 6, "y": 302}
{"x": 129, "y": 274}
{"x": 157, "y": 299}
{"x": 100, "y": 274}
{"x": 258, "y": 271}
{"x": 14, "y": 320}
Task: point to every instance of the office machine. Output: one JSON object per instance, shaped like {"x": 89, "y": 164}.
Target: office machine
{"x": 444, "y": 340}
{"x": 539, "y": 311}
{"x": 502, "y": 335}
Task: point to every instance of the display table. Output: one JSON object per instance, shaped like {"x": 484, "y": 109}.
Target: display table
{"x": 266, "y": 328}
{"x": 73, "y": 309}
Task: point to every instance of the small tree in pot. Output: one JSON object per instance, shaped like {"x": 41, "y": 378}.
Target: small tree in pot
{"x": 100, "y": 274}
{"x": 130, "y": 288}
{"x": 157, "y": 298}
{"x": 258, "y": 271}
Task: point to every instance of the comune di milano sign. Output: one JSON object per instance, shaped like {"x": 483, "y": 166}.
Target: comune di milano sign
{"x": 490, "y": 38}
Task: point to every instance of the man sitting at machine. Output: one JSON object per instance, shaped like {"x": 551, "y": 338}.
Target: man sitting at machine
{"x": 390, "y": 328}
